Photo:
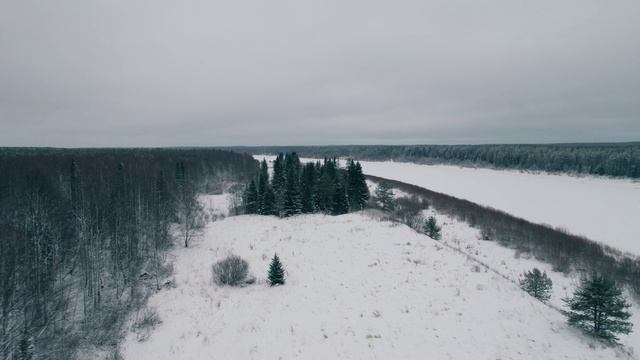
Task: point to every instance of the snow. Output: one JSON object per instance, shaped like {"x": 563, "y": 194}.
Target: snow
{"x": 216, "y": 205}
{"x": 602, "y": 209}
{"x": 512, "y": 264}
{"x": 357, "y": 288}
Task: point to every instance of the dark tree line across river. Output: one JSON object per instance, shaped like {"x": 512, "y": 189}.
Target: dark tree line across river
{"x": 605, "y": 159}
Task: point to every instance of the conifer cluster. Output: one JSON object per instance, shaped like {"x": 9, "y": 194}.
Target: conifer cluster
{"x": 295, "y": 188}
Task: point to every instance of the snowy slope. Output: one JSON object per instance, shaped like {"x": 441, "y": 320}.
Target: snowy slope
{"x": 358, "y": 288}
{"x": 573, "y": 203}
{"x": 512, "y": 264}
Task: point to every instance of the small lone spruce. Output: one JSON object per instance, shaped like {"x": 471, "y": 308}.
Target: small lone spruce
{"x": 276, "y": 272}
{"x": 431, "y": 228}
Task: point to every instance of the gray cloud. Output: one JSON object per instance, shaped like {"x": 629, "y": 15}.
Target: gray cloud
{"x": 202, "y": 72}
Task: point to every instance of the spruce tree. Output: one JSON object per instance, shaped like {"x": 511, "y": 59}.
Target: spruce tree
{"x": 431, "y": 228}
{"x": 326, "y": 185}
{"x": 276, "y": 272}
{"x": 292, "y": 199}
{"x": 269, "y": 202}
{"x": 278, "y": 182}
{"x": 357, "y": 190}
{"x": 340, "y": 202}
{"x": 384, "y": 196}
{"x": 598, "y": 307}
{"x": 361, "y": 188}
{"x": 251, "y": 198}
{"x": 537, "y": 284}
{"x": 263, "y": 183}
{"x": 308, "y": 188}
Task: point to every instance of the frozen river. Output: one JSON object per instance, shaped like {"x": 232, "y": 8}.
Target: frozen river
{"x": 605, "y": 210}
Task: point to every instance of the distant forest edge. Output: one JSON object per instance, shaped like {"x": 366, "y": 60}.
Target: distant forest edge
{"x": 564, "y": 251}
{"x": 83, "y": 234}
{"x": 604, "y": 159}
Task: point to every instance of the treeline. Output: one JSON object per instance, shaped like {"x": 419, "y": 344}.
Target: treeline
{"x": 313, "y": 187}
{"x": 565, "y": 252}
{"x": 607, "y": 159}
{"x": 80, "y": 230}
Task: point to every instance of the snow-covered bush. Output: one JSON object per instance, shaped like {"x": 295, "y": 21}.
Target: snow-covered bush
{"x": 232, "y": 270}
{"x": 145, "y": 322}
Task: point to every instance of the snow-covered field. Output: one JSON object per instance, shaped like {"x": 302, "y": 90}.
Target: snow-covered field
{"x": 357, "y": 288}
{"x": 605, "y": 210}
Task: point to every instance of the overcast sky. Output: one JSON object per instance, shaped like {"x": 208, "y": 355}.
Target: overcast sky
{"x": 241, "y": 72}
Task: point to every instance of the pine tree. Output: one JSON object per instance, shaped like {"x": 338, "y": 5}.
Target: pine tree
{"x": 431, "y": 228}
{"x": 598, "y": 307}
{"x": 537, "y": 284}
{"x": 251, "y": 198}
{"x": 276, "y": 272}
{"x": 384, "y": 196}
{"x": 340, "y": 202}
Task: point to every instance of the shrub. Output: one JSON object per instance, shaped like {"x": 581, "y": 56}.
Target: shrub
{"x": 145, "y": 322}
{"x": 232, "y": 271}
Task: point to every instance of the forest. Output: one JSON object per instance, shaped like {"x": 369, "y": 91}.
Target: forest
{"x": 84, "y": 232}
{"x": 604, "y": 159}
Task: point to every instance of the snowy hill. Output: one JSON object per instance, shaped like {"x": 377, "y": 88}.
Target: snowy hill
{"x": 357, "y": 288}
